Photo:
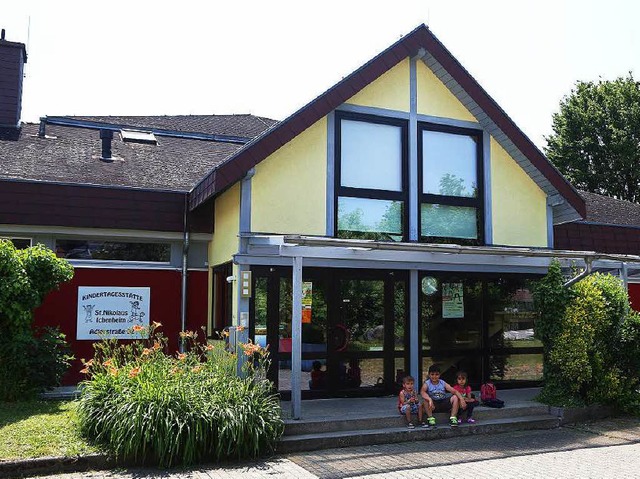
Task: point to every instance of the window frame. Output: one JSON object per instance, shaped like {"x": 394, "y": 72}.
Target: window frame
{"x": 476, "y": 202}
{"x": 370, "y": 193}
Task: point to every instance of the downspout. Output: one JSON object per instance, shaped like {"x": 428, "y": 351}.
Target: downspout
{"x": 588, "y": 261}
{"x": 185, "y": 257}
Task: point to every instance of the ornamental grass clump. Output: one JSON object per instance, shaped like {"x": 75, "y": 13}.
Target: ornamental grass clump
{"x": 145, "y": 406}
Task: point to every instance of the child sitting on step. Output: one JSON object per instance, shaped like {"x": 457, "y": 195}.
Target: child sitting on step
{"x": 462, "y": 386}
{"x": 440, "y": 397}
{"x": 408, "y": 401}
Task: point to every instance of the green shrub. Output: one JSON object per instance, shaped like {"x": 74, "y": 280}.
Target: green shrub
{"x": 30, "y": 361}
{"x": 590, "y": 341}
{"x": 143, "y": 405}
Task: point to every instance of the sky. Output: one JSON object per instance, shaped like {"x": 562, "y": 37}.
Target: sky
{"x": 269, "y": 58}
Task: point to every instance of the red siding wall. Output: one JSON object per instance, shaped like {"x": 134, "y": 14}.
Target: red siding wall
{"x": 60, "y": 307}
{"x": 634, "y": 295}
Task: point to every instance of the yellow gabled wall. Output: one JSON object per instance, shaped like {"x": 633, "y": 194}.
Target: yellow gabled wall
{"x": 288, "y": 190}
{"x": 226, "y": 226}
{"x": 390, "y": 90}
{"x": 519, "y": 206}
{"x": 224, "y": 244}
{"x": 435, "y": 99}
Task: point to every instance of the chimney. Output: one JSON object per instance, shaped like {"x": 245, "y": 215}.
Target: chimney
{"x": 13, "y": 56}
{"x": 106, "y": 136}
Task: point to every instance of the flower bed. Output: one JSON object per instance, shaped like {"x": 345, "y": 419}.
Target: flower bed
{"x": 143, "y": 405}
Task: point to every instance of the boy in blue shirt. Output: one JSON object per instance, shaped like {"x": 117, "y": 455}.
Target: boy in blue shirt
{"x": 440, "y": 397}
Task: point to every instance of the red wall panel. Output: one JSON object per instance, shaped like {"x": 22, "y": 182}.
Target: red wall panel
{"x": 634, "y": 295}
{"x": 60, "y": 307}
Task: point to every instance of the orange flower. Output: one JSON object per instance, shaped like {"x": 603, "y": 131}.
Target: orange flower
{"x": 197, "y": 369}
{"x": 250, "y": 349}
{"x": 182, "y": 356}
{"x": 108, "y": 362}
{"x": 134, "y": 372}
{"x": 146, "y": 351}
{"x": 156, "y": 345}
{"x": 85, "y": 370}
{"x": 137, "y": 328}
{"x": 113, "y": 371}
{"x": 225, "y": 334}
{"x": 240, "y": 328}
{"x": 87, "y": 363}
{"x": 156, "y": 324}
{"x": 209, "y": 347}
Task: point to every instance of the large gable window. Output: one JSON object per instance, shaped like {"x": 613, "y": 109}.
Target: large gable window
{"x": 451, "y": 187}
{"x": 371, "y": 178}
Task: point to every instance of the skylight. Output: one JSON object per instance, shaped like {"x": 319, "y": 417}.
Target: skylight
{"x": 133, "y": 136}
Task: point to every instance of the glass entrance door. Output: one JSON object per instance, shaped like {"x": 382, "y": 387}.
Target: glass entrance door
{"x": 451, "y": 323}
{"x": 353, "y": 330}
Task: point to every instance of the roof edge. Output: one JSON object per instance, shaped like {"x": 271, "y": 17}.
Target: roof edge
{"x": 247, "y": 157}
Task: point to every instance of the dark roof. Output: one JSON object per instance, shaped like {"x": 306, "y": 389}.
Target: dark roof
{"x": 72, "y": 155}
{"x": 607, "y": 210}
{"x": 408, "y": 46}
{"x": 236, "y": 125}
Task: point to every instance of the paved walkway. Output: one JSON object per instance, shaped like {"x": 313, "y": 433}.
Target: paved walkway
{"x": 605, "y": 449}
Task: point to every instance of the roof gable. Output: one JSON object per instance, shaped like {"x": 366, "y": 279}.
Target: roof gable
{"x": 568, "y": 203}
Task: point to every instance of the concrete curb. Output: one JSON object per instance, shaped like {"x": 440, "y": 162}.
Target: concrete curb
{"x": 570, "y": 415}
{"x": 54, "y": 465}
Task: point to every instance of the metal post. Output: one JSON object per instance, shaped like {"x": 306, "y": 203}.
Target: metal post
{"x": 296, "y": 338}
{"x": 414, "y": 340}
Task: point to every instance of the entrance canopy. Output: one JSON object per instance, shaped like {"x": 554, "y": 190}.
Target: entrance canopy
{"x": 298, "y": 251}
{"x": 278, "y": 250}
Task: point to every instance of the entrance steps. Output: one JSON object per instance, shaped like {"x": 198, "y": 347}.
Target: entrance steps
{"x": 330, "y": 423}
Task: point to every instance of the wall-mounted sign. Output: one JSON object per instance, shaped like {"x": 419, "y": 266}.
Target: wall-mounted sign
{"x": 452, "y": 300}
{"x": 307, "y": 301}
{"x": 108, "y": 311}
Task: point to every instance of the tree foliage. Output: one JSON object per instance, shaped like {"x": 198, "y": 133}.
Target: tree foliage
{"x": 590, "y": 341}
{"x": 29, "y": 360}
{"x": 596, "y": 138}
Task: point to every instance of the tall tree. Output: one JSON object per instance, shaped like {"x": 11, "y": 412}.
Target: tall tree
{"x": 596, "y": 137}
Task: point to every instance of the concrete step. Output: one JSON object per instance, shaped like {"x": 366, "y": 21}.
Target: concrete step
{"x": 393, "y": 419}
{"x": 385, "y": 435}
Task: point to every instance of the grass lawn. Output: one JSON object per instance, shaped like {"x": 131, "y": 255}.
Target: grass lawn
{"x": 40, "y": 428}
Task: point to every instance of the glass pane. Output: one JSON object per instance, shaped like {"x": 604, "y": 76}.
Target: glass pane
{"x": 314, "y": 326}
{"x": 111, "y": 250}
{"x": 512, "y": 315}
{"x": 260, "y": 296}
{"x": 451, "y": 315}
{"x": 370, "y": 219}
{"x": 516, "y": 367}
{"x": 361, "y": 326}
{"x": 449, "y": 164}
{"x": 284, "y": 376}
{"x": 401, "y": 372}
{"x": 446, "y": 221}
{"x": 371, "y": 156}
{"x": 451, "y": 365}
{"x": 399, "y": 314}
{"x": 20, "y": 243}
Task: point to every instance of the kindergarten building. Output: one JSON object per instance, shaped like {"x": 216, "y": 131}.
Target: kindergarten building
{"x": 393, "y": 222}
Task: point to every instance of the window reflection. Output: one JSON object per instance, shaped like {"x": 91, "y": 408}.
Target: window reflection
{"x": 112, "y": 250}
{"x": 449, "y": 164}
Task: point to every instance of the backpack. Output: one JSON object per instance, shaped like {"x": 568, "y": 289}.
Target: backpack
{"x": 487, "y": 391}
